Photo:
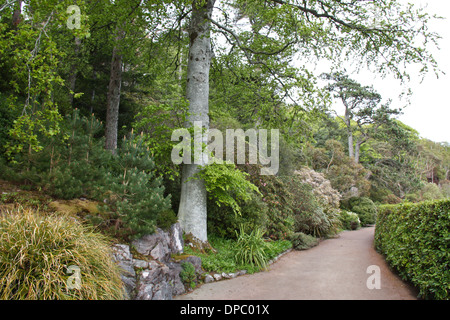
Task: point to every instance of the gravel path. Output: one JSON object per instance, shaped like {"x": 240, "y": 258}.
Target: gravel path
{"x": 335, "y": 269}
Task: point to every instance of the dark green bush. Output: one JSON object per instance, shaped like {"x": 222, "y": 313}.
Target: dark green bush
{"x": 301, "y": 241}
{"x": 251, "y": 248}
{"x": 188, "y": 275}
{"x": 363, "y": 207}
{"x": 223, "y": 222}
{"x": 349, "y": 220}
{"x": 279, "y": 222}
{"x": 415, "y": 240}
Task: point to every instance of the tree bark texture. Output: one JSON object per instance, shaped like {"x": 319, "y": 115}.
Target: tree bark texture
{"x": 192, "y": 212}
{"x": 113, "y": 97}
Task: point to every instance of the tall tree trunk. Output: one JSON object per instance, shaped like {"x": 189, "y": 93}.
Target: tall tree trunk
{"x": 17, "y": 14}
{"x": 73, "y": 71}
{"x": 348, "y": 124}
{"x": 113, "y": 97}
{"x": 192, "y": 212}
{"x": 350, "y": 143}
{"x": 357, "y": 150}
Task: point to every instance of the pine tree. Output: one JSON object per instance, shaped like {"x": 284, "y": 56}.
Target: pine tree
{"x": 137, "y": 195}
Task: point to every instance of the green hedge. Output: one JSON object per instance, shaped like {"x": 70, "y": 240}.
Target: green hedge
{"x": 415, "y": 239}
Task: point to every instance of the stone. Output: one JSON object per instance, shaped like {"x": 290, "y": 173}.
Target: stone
{"x": 241, "y": 272}
{"x": 141, "y": 264}
{"x": 144, "y": 291}
{"x": 174, "y": 274}
{"x": 160, "y": 252}
{"x": 155, "y": 245}
{"x": 176, "y": 242}
{"x": 122, "y": 256}
{"x": 121, "y": 252}
{"x": 162, "y": 291}
{"x": 217, "y": 277}
{"x": 130, "y": 285}
{"x": 208, "y": 278}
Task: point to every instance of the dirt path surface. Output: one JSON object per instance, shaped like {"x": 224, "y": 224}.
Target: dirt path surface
{"x": 336, "y": 269}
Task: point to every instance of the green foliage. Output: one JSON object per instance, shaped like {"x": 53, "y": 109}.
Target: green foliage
{"x": 431, "y": 192}
{"x": 363, "y": 207}
{"x": 223, "y": 222}
{"x": 36, "y": 252}
{"x": 166, "y": 218}
{"x": 188, "y": 275}
{"x": 227, "y": 185}
{"x": 349, "y": 220}
{"x": 157, "y": 122}
{"x": 276, "y": 197}
{"x": 414, "y": 238}
{"x": 301, "y": 241}
{"x": 309, "y": 214}
{"x": 251, "y": 248}
{"x": 135, "y": 194}
{"x": 79, "y": 166}
{"x": 223, "y": 258}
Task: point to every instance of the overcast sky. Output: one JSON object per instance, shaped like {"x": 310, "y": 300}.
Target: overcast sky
{"x": 429, "y": 111}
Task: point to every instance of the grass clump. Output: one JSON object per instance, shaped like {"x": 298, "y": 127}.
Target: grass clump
{"x": 38, "y": 255}
{"x": 223, "y": 257}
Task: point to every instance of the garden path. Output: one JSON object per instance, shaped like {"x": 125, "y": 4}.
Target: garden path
{"x": 336, "y": 269}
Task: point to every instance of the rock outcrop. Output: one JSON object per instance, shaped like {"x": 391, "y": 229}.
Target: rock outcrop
{"x": 148, "y": 271}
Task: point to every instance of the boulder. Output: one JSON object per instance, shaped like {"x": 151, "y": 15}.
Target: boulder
{"x": 176, "y": 242}
{"x": 208, "y": 278}
{"x": 122, "y": 256}
{"x": 155, "y": 245}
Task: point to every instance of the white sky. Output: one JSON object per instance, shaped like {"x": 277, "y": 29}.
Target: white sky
{"x": 429, "y": 111}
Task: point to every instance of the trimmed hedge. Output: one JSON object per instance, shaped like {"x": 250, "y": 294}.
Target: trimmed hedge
{"x": 415, "y": 239}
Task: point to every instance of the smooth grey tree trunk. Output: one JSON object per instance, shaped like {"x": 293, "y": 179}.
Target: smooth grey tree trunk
{"x": 113, "y": 97}
{"x": 192, "y": 212}
{"x": 357, "y": 150}
{"x": 349, "y": 130}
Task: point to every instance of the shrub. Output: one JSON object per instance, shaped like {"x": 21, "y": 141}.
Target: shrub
{"x": 414, "y": 238}
{"x": 224, "y": 223}
{"x": 324, "y": 192}
{"x": 36, "y": 253}
{"x": 301, "y": 241}
{"x": 279, "y": 219}
{"x": 309, "y": 214}
{"x": 251, "y": 248}
{"x": 349, "y": 220}
{"x": 227, "y": 185}
{"x": 135, "y": 194}
{"x": 363, "y": 207}
{"x": 188, "y": 275}
{"x": 392, "y": 199}
{"x": 431, "y": 192}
